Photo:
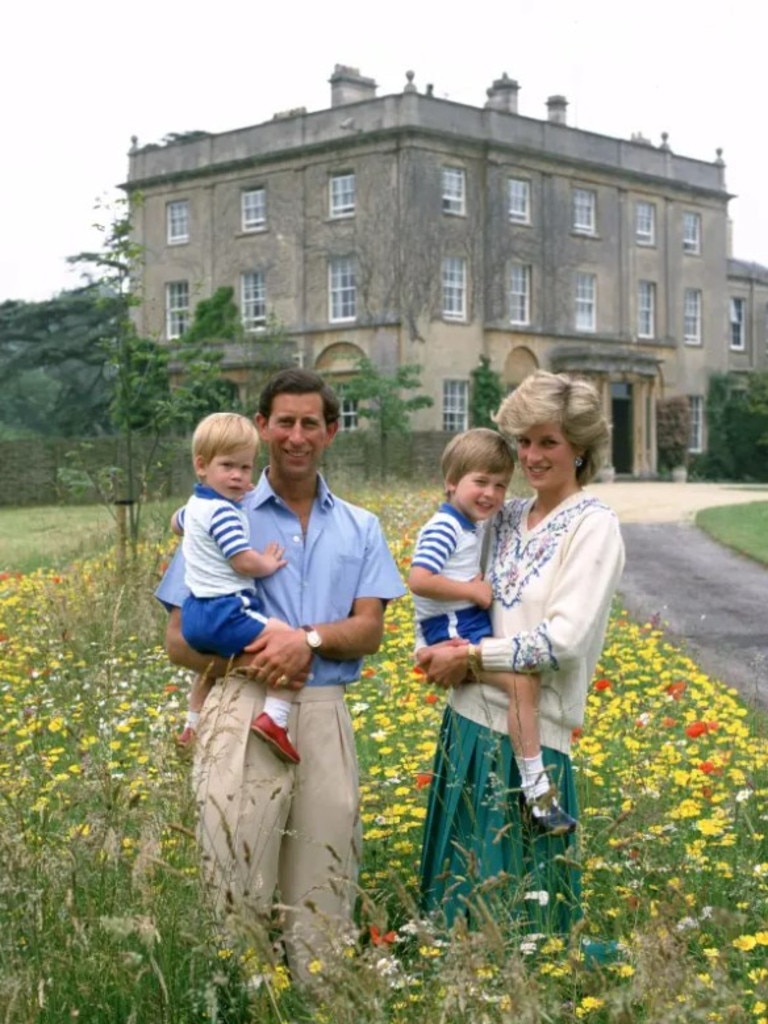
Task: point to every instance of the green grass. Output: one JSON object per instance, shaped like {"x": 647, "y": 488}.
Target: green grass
{"x": 52, "y": 536}
{"x": 741, "y": 527}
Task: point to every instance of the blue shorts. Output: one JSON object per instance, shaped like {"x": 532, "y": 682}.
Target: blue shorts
{"x": 473, "y": 624}
{"x": 222, "y": 625}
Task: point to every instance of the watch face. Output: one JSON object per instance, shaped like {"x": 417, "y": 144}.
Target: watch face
{"x": 313, "y": 638}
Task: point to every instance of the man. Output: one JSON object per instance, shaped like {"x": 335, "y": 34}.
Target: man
{"x": 266, "y": 826}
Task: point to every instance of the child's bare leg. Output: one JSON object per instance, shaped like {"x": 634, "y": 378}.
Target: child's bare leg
{"x": 201, "y": 687}
{"x": 278, "y": 704}
{"x": 272, "y": 723}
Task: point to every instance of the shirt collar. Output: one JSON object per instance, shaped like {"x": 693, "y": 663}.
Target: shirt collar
{"x": 263, "y": 492}
{"x": 204, "y": 491}
{"x": 462, "y": 520}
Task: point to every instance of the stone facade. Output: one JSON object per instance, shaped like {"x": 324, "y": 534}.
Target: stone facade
{"x": 414, "y": 229}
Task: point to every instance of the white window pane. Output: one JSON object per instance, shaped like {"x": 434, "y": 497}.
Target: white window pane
{"x": 455, "y": 405}
{"x": 584, "y": 207}
{"x": 519, "y": 294}
{"x": 254, "y": 209}
{"x": 342, "y": 195}
{"x": 177, "y": 214}
{"x": 253, "y": 300}
{"x": 453, "y": 190}
{"x": 645, "y": 223}
{"x": 519, "y": 200}
{"x": 586, "y": 291}
{"x": 176, "y": 308}
{"x": 454, "y": 288}
{"x": 342, "y": 289}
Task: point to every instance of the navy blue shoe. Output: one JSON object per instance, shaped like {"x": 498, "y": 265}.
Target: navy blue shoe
{"x": 551, "y": 820}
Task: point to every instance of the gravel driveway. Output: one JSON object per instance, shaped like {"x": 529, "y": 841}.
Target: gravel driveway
{"x": 708, "y": 598}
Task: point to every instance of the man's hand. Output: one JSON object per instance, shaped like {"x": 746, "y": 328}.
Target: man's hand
{"x": 280, "y": 656}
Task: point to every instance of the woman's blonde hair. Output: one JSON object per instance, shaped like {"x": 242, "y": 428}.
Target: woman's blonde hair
{"x": 222, "y": 433}
{"x": 574, "y": 404}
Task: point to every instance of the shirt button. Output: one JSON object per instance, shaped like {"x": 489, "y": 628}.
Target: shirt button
{"x": 296, "y": 538}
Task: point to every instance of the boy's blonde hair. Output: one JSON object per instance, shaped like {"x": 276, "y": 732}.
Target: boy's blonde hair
{"x": 574, "y": 404}
{"x": 479, "y": 450}
{"x": 222, "y": 433}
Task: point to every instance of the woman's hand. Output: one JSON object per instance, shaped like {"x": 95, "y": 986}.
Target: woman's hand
{"x": 445, "y": 664}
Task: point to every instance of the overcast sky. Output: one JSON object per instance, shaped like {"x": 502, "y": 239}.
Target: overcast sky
{"x": 79, "y": 78}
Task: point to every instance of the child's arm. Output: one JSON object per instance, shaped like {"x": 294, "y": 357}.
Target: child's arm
{"x": 440, "y": 588}
{"x": 259, "y": 563}
{"x": 177, "y": 521}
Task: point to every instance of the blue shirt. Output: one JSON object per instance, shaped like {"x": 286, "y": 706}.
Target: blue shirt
{"x": 344, "y": 556}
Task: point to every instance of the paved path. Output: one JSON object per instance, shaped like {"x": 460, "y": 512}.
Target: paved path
{"x": 709, "y": 598}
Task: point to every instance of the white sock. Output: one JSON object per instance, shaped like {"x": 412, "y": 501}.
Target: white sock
{"x": 533, "y": 777}
{"x": 193, "y": 717}
{"x": 278, "y": 710}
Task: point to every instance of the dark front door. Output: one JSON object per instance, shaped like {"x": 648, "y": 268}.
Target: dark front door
{"x": 621, "y": 413}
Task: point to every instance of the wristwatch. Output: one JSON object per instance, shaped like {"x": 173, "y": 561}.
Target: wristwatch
{"x": 313, "y": 637}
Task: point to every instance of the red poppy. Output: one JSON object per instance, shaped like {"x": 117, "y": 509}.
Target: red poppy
{"x": 676, "y": 689}
{"x": 379, "y": 939}
{"x": 577, "y": 733}
{"x": 696, "y": 729}
{"x": 368, "y": 672}
{"x": 669, "y": 723}
{"x": 432, "y": 698}
{"x": 708, "y": 767}
{"x": 418, "y": 670}
{"x": 603, "y": 684}
{"x": 423, "y": 779}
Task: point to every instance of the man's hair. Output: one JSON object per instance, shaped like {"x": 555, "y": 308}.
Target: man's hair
{"x": 573, "y": 404}
{"x": 295, "y": 381}
{"x": 222, "y": 433}
{"x": 479, "y": 450}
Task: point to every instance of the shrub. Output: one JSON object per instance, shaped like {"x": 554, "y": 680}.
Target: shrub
{"x": 673, "y": 431}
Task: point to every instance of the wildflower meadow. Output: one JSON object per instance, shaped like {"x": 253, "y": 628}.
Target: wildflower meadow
{"x": 103, "y": 918}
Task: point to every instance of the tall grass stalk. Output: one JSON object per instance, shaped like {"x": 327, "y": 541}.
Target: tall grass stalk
{"x": 104, "y": 919}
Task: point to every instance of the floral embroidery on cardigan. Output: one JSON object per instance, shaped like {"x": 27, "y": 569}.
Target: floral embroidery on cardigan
{"x": 516, "y": 561}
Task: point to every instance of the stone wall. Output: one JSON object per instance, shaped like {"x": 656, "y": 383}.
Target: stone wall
{"x": 58, "y": 471}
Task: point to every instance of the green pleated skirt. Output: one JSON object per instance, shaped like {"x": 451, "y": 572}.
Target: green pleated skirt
{"x": 481, "y": 856}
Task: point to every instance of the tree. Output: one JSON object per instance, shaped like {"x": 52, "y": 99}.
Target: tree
{"x": 379, "y": 397}
{"x": 486, "y": 393}
{"x": 673, "y": 431}
{"x": 196, "y": 359}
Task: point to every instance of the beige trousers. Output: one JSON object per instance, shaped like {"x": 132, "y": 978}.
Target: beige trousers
{"x": 271, "y": 830}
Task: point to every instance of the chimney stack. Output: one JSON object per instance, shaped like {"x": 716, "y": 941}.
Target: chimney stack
{"x": 556, "y": 109}
{"x": 503, "y": 95}
{"x": 349, "y": 86}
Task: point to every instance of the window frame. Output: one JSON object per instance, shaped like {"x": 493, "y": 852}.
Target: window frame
{"x": 520, "y": 215}
{"x": 248, "y": 224}
{"x": 646, "y": 310}
{"x": 589, "y": 226}
{"x": 174, "y": 234}
{"x": 585, "y": 304}
{"x": 339, "y": 204}
{"x": 737, "y": 302}
{"x": 253, "y": 322}
{"x": 453, "y": 289}
{"x": 349, "y": 418}
{"x": 696, "y": 440}
{"x": 692, "y": 238}
{"x": 454, "y": 199}
{"x": 177, "y": 314}
{"x": 521, "y": 297}
{"x": 645, "y": 234}
{"x": 455, "y": 407}
{"x": 692, "y": 318}
{"x": 342, "y": 283}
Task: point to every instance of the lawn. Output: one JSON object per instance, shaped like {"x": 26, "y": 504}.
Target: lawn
{"x": 103, "y": 919}
{"x": 741, "y": 527}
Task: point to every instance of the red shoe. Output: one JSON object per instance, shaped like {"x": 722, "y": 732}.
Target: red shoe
{"x": 276, "y": 736}
{"x": 186, "y": 737}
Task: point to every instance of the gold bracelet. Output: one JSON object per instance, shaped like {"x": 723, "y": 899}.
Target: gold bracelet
{"x": 474, "y": 660}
